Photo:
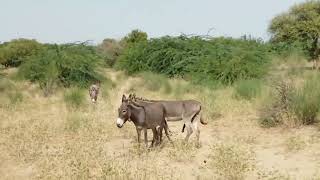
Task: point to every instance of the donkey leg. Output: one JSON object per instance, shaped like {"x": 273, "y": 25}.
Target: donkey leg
{"x": 139, "y": 135}
{"x": 189, "y": 131}
{"x": 196, "y": 128}
{"x": 154, "y": 137}
{"x": 167, "y": 133}
{"x": 145, "y": 137}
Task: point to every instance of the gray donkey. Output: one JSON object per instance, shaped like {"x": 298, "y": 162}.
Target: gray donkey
{"x": 186, "y": 110}
{"x": 150, "y": 116}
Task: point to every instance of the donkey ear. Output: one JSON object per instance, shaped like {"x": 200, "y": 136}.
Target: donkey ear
{"x": 130, "y": 96}
{"x": 124, "y": 98}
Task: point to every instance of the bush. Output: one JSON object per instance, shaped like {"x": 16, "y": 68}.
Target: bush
{"x": 15, "y": 52}
{"x": 248, "y": 89}
{"x": 291, "y": 105}
{"x": 306, "y": 101}
{"x": 74, "y": 98}
{"x": 110, "y": 49}
{"x": 67, "y": 65}
{"x": 218, "y": 59}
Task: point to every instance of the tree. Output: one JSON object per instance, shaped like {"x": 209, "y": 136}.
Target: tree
{"x": 110, "y": 49}
{"x": 135, "y": 36}
{"x": 300, "y": 24}
{"x": 14, "y": 52}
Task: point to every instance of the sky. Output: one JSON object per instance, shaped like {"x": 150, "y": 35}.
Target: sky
{"x": 63, "y": 21}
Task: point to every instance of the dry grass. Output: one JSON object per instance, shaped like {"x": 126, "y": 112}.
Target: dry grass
{"x": 231, "y": 161}
{"x": 40, "y": 138}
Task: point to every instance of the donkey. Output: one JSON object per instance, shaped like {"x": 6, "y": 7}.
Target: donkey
{"x": 186, "y": 110}
{"x": 94, "y": 91}
{"x": 150, "y": 116}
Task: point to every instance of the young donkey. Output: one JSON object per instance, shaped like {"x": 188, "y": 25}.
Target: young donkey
{"x": 94, "y": 91}
{"x": 149, "y": 116}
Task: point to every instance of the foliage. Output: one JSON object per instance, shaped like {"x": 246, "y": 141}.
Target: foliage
{"x": 293, "y": 106}
{"x": 248, "y": 89}
{"x": 135, "y": 36}
{"x": 110, "y": 49}
{"x": 301, "y": 24}
{"x": 306, "y": 101}
{"x": 74, "y": 98}
{"x": 13, "y": 53}
{"x": 218, "y": 59}
{"x": 75, "y": 64}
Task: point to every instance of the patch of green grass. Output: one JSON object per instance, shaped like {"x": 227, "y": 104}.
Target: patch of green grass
{"x": 15, "y": 97}
{"x": 74, "y": 98}
{"x": 248, "y": 89}
{"x": 306, "y": 101}
{"x": 156, "y": 82}
{"x": 106, "y": 86}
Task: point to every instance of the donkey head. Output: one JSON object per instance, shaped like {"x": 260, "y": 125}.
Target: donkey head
{"x": 124, "y": 112}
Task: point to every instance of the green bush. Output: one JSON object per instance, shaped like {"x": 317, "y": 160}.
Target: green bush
{"x": 74, "y": 98}
{"x": 306, "y": 101}
{"x": 219, "y": 59}
{"x": 67, "y": 65}
{"x": 15, "y": 52}
{"x": 15, "y": 97}
{"x": 248, "y": 89}
{"x": 292, "y": 106}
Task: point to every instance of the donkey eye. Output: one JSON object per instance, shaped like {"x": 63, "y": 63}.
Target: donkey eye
{"x": 124, "y": 111}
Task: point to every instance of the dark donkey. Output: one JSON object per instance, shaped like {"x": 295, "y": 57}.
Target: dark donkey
{"x": 186, "y": 110}
{"x": 150, "y": 116}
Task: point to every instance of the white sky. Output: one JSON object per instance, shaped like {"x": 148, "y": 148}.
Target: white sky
{"x": 79, "y": 20}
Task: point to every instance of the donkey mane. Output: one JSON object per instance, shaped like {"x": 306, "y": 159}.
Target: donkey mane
{"x": 134, "y": 97}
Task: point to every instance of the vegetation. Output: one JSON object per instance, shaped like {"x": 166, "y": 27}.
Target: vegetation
{"x": 300, "y": 25}
{"x": 110, "y": 50}
{"x": 66, "y": 65}
{"x": 248, "y": 89}
{"x": 15, "y": 52}
{"x": 74, "y": 98}
{"x": 217, "y": 59}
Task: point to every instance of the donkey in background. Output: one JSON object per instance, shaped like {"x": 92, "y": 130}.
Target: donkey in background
{"x": 94, "y": 91}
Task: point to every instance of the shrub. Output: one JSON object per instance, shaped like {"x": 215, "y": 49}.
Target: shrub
{"x": 218, "y": 59}
{"x": 110, "y": 49}
{"x": 15, "y": 52}
{"x": 75, "y": 64}
{"x": 74, "y": 98}
{"x": 291, "y": 105}
{"x": 306, "y": 101}
{"x": 248, "y": 89}
{"x": 275, "y": 108}
{"x": 15, "y": 97}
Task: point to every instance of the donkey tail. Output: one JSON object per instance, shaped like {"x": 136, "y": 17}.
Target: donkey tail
{"x": 202, "y": 121}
